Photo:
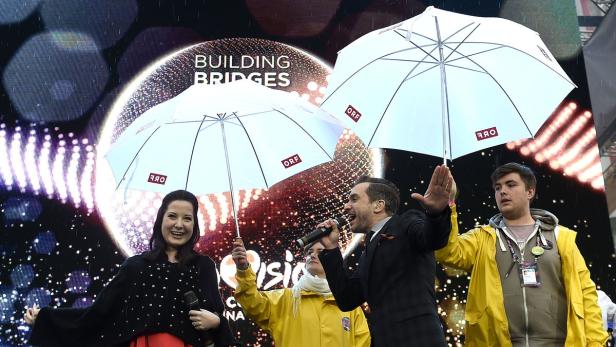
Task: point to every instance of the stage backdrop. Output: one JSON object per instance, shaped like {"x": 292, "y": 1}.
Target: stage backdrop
{"x": 75, "y": 74}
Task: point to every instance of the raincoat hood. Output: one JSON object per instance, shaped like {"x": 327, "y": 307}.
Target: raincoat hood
{"x": 546, "y": 220}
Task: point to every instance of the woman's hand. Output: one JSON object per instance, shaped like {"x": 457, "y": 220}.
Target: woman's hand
{"x": 204, "y": 319}
{"x": 31, "y": 314}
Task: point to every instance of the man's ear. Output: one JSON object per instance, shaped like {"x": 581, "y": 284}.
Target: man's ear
{"x": 379, "y": 206}
{"x": 531, "y": 193}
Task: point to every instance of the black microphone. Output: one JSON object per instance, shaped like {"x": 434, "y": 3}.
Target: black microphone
{"x": 191, "y": 300}
{"x": 318, "y": 233}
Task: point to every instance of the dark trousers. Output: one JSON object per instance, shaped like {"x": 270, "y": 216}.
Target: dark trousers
{"x": 422, "y": 331}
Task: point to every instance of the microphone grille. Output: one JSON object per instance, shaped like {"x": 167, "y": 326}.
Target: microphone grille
{"x": 190, "y": 298}
{"x": 341, "y": 221}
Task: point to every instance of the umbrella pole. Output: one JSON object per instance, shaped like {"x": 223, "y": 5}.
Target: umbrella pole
{"x": 224, "y": 142}
{"x": 444, "y": 98}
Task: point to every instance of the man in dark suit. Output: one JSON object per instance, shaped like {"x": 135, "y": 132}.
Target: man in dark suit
{"x": 396, "y": 271}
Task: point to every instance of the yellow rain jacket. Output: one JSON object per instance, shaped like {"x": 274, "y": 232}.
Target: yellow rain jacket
{"x": 486, "y": 321}
{"x": 319, "y": 322}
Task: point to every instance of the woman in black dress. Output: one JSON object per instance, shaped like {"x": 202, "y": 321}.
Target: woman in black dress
{"x": 144, "y": 304}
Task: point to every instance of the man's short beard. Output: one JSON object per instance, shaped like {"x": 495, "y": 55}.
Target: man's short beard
{"x": 361, "y": 229}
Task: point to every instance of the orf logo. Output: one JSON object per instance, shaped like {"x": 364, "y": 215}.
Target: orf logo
{"x": 157, "y": 178}
{"x": 486, "y": 133}
{"x": 353, "y": 113}
{"x": 290, "y": 161}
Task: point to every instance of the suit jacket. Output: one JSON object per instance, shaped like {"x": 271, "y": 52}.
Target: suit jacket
{"x": 396, "y": 276}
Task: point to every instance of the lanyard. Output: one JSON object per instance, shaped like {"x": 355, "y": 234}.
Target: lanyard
{"x": 536, "y": 251}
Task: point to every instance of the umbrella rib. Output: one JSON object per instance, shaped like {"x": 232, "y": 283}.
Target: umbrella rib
{"x": 363, "y": 67}
{"x": 305, "y": 131}
{"x": 433, "y": 49}
{"x": 424, "y": 71}
{"x": 421, "y": 61}
{"x": 387, "y": 107}
{"x": 462, "y": 56}
{"x": 207, "y": 126}
{"x": 414, "y": 44}
{"x": 135, "y": 156}
{"x": 194, "y": 121}
{"x": 418, "y": 34}
{"x": 447, "y": 38}
{"x": 505, "y": 92}
{"x": 433, "y": 40}
{"x": 253, "y": 148}
{"x": 213, "y": 121}
{"x": 252, "y": 114}
{"x": 464, "y": 68}
{"x": 416, "y": 65}
{"x": 412, "y": 61}
{"x": 399, "y": 86}
{"x": 519, "y": 50}
{"x": 461, "y": 42}
{"x": 193, "y": 152}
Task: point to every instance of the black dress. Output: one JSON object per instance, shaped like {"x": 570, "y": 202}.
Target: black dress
{"x": 145, "y": 297}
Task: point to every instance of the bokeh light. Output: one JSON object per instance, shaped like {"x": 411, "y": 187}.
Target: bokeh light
{"x": 83, "y": 302}
{"x": 78, "y": 281}
{"x": 151, "y": 44}
{"x": 7, "y": 299}
{"x": 567, "y": 142}
{"x": 55, "y": 76}
{"x": 12, "y": 11}
{"x": 45, "y": 242}
{"x": 105, "y": 21}
{"x": 47, "y": 169}
{"x": 22, "y": 275}
{"x": 39, "y": 296}
{"x": 21, "y": 209}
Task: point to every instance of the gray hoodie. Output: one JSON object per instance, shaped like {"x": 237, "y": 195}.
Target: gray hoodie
{"x": 536, "y": 316}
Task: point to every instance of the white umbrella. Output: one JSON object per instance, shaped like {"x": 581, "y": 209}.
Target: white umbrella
{"x": 225, "y": 137}
{"x": 446, "y": 84}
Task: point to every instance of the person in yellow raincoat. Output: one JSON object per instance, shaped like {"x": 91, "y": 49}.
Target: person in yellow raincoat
{"x": 529, "y": 283}
{"x": 305, "y": 315}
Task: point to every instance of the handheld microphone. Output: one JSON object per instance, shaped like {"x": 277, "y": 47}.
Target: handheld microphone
{"x": 318, "y": 233}
{"x": 191, "y": 300}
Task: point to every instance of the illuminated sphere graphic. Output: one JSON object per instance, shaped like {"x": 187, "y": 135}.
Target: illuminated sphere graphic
{"x": 269, "y": 219}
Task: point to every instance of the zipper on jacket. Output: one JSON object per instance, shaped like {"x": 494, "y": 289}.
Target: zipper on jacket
{"x": 525, "y": 316}
{"x": 524, "y": 292}
{"x": 521, "y": 249}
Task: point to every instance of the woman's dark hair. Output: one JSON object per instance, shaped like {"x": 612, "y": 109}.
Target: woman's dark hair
{"x": 157, "y": 242}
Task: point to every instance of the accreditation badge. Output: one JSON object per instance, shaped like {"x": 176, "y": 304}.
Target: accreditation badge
{"x": 529, "y": 274}
{"x": 346, "y": 323}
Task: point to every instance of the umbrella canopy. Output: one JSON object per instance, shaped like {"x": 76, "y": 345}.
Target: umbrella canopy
{"x": 446, "y": 84}
{"x": 225, "y": 137}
